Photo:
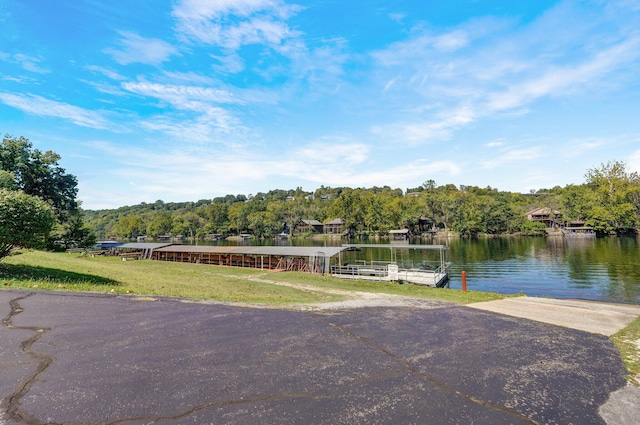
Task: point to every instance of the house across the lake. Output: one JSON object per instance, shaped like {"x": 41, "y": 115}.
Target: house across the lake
{"x": 550, "y": 218}
{"x": 334, "y": 227}
{"x": 306, "y": 226}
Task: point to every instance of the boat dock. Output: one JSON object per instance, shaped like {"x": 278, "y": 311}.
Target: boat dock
{"x": 393, "y": 268}
{"x": 376, "y": 262}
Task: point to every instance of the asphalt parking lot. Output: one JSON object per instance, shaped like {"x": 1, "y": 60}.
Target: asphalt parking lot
{"x": 96, "y": 359}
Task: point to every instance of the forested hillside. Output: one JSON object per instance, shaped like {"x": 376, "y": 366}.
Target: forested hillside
{"x": 609, "y": 201}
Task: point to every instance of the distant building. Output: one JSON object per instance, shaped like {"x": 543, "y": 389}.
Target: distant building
{"x": 550, "y": 218}
{"x": 334, "y": 227}
{"x": 305, "y": 226}
{"x": 399, "y": 235}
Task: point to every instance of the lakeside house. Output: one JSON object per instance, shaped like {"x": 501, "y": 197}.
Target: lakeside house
{"x": 306, "y": 226}
{"x": 550, "y": 218}
{"x": 334, "y": 227}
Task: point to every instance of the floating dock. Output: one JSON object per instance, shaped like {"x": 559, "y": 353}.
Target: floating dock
{"x": 394, "y": 268}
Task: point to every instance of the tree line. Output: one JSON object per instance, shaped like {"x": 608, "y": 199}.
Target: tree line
{"x": 39, "y": 207}
{"x": 608, "y": 201}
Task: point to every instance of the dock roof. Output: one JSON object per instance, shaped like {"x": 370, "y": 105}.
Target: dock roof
{"x": 284, "y": 251}
{"x": 143, "y": 245}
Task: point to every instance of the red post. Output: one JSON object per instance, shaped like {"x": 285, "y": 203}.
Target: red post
{"x": 464, "y": 281}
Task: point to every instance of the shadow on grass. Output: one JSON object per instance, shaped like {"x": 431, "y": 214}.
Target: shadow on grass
{"x": 21, "y": 272}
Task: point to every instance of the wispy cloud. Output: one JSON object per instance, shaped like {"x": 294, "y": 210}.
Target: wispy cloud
{"x": 256, "y": 21}
{"x": 27, "y": 62}
{"x": 41, "y": 106}
{"x": 511, "y": 155}
{"x": 184, "y": 97}
{"x": 208, "y": 168}
{"x": 489, "y": 67}
{"x": 109, "y": 73}
{"x": 558, "y": 81}
{"x": 137, "y": 49}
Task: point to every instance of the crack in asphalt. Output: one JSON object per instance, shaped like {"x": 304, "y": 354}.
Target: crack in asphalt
{"x": 11, "y": 403}
{"x": 259, "y": 398}
{"x": 415, "y": 371}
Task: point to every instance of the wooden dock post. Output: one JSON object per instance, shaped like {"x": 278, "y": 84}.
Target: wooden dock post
{"x": 464, "y": 281}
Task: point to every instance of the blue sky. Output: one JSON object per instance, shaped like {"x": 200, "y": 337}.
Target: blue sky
{"x": 189, "y": 100}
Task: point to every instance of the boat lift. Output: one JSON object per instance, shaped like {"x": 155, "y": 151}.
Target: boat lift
{"x": 433, "y": 273}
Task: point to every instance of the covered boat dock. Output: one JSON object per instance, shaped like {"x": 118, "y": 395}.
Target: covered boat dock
{"x": 310, "y": 259}
{"x": 349, "y": 261}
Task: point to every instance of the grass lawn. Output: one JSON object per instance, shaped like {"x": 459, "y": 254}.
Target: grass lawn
{"x": 628, "y": 343}
{"x": 73, "y": 272}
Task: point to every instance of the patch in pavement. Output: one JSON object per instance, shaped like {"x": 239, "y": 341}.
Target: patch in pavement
{"x": 588, "y": 316}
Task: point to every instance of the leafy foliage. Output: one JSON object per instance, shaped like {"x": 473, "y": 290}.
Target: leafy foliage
{"x": 609, "y": 201}
{"x": 25, "y": 221}
{"x": 38, "y": 173}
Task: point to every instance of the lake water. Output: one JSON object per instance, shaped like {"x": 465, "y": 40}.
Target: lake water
{"x": 605, "y": 269}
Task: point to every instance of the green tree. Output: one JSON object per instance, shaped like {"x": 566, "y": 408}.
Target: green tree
{"x": 37, "y": 173}
{"x": 160, "y": 224}
{"x": 72, "y": 233}
{"x": 217, "y": 218}
{"x": 130, "y": 227}
{"x": 25, "y": 221}
{"x": 614, "y": 192}
{"x": 7, "y": 180}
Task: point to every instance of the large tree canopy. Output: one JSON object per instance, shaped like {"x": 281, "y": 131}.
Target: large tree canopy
{"x": 25, "y": 221}
{"x": 37, "y": 173}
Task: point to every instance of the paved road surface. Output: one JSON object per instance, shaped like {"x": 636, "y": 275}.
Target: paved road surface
{"x": 93, "y": 359}
{"x": 589, "y": 316}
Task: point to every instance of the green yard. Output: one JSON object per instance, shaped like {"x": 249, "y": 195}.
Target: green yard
{"x": 74, "y": 272}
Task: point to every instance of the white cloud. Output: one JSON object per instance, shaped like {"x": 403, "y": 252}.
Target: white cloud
{"x": 41, "y": 106}
{"x": 106, "y": 72}
{"x": 137, "y": 49}
{"x": 231, "y": 63}
{"x": 30, "y": 63}
{"x": 495, "y": 144}
{"x": 578, "y": 147}
{"x": 443, "y": 82}
{"x": 211, "y": 171}
{"x": 558, "y": 81}
{"x": 510, "y": 156}
{"x": 451, "y": 41}
{"x": 27, "y": 62}
{"x": 233, "y": 23}
{"x": 182, "y": 96}
{"x": 440, "y": 128}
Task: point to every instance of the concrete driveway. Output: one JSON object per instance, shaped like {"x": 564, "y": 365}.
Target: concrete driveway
{"x": 95, "y": 359}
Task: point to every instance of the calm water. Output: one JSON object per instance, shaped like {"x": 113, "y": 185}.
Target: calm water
{"x": 606, "y": 269}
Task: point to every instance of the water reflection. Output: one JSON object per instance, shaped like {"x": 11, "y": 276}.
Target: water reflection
{"x": 602, "y": 269}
